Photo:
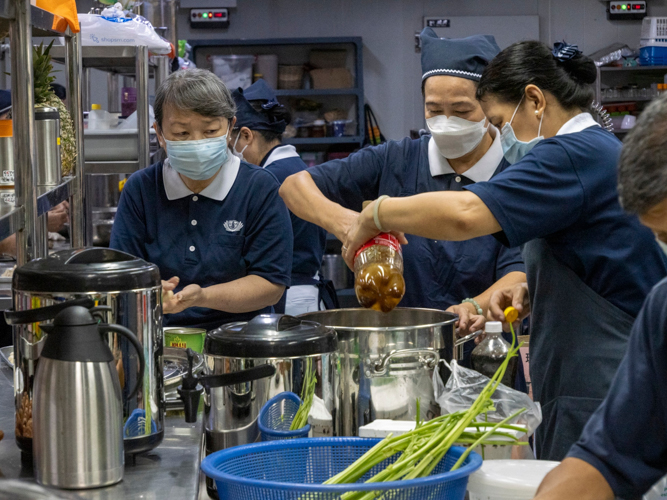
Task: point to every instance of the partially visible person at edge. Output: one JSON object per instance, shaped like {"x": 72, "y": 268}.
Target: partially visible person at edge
{"x": 214, "y": 225}
{"x": 463, "y": 148}
{"x": 589, "y": 264}
{"x": 256, "y": 138}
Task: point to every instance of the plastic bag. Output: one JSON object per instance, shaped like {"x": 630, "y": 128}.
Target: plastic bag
{"x": 116, "y": 30}
{"x": 465, "y": 385}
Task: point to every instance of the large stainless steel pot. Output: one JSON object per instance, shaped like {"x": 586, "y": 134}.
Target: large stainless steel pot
{"x": 285, "y": 342}
{"x": 131, "y": 288}
{"x": 386, "y": 362}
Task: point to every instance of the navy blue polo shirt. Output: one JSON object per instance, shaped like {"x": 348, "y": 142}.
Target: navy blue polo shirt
{"x": 309, "y": 239}
{"x": 203, "y": 239}
{"x": 626, "y": 438}
{"x": 564, "y": 191}
{"x": 438, "y": 274}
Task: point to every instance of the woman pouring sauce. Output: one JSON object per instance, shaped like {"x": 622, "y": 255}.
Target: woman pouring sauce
{"x": 213, "y": 224}
{"x": 589, "y": 264}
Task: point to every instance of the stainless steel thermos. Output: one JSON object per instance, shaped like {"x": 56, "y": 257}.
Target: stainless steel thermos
{"x": 77, "y": 403}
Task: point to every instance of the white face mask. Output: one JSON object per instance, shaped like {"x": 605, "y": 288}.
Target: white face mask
{"x": 454, "y": 136}
{"x": 238, "y": 154}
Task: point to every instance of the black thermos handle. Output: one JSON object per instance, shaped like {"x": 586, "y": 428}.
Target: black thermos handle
{"x": 137, "y": 346}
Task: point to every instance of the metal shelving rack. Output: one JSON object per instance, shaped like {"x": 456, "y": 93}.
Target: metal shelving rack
{"x": 264, "y": 45}
{"x": 121, "y": 61}
{"x": 614, "y": 76}
{"x": 26, "y": 217}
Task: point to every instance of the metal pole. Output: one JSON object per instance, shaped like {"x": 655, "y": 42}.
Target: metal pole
{"x": 42, "y": 236}
{"x": 74, "y": 62}
{"x": 87, "y": 98}
{"x": 113, "y": 103}
{"x": 162, "y": 70}
{"x": 23, "y": 114}
{"x": 142, "y": 105}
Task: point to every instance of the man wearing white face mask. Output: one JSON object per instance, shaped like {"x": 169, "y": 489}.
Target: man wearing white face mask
{"x": 462, "y": 149}
{"x": 213, "y": 224}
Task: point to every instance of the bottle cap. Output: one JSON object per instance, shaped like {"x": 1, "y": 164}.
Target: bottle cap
{"x": 96, "y": 107}
{"x": 511, "y": 314}
{"x": 494, "y": 327}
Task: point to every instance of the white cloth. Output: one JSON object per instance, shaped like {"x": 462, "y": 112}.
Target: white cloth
{"x": 217, "y": 190}
{"x": 479, "y": 172}
{"x": 577, "y": 124}
{"x": 302, "y": 299}
{"x": 280, "y": 153}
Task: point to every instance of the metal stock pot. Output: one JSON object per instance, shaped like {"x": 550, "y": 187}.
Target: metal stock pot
{"x": 386, "y": 362}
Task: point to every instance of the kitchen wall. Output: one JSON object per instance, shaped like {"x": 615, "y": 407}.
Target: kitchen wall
{"x": 391, "y": 66}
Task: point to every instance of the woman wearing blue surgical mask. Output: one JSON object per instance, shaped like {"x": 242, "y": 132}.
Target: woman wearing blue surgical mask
{"x": 214, "y": 225}
{"x": 257, "y": 138}
{"x": 589, "y": 265}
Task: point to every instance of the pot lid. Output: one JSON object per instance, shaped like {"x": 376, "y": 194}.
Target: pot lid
{"x": 86, "y": 270}
{"x": 271, "y": 336}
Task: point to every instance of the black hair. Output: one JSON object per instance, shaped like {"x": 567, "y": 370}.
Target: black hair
{"x": 275, "y": 114}
{"x": 531, "y": 62}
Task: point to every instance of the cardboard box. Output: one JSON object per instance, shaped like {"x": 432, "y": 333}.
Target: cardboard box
{"x": 328, "y": 58}
{"x": 332, "y": 78}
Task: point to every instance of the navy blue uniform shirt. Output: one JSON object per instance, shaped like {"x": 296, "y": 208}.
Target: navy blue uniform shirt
{"x": 564, "y": 191}
{"x": 309, "y": 239}
{"x": 626, "y": 438}
{"x": 438, "y": 274}
{"x": 236, "y": 227}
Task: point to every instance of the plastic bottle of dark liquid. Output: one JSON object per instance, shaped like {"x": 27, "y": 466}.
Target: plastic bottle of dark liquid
{"x": 491, "y": 353}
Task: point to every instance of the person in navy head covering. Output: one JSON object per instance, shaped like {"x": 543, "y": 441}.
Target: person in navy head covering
{"x": 256, "y": 138}
{"x": 462, "y": 149}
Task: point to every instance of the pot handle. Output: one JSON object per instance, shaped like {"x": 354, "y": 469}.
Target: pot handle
{"x": 241, "y": 377}
{"x": 44, "y": 313}
{"x": 137, "y": 346}
{"x": 427, "y": 357}
{"x": 468, "y": 338}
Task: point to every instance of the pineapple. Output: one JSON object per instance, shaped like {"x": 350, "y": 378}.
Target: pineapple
{"x": 44, "y": 96}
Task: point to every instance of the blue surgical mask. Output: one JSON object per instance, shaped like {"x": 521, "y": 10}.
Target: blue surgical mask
{"x": 513, "y": 148}
{"x": 198, "y": 160}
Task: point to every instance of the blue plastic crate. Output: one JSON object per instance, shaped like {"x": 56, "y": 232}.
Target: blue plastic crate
{"x": 653, "y": 56}
{"x": 276, "y": 416}
{"x": 295, "y": 470}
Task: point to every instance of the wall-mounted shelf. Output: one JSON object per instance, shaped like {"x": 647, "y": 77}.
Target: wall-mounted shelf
{"x": 296, "y": 51}
{"x": 633, "y": 68}
{"x": 610, "y": 100}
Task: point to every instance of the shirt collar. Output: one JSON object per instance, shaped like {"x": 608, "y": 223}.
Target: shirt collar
{"x": 481, "y": 171}
{"x": 218, "y": 190}
{"x": 280, "y": 153}
{"x": 577, "y": 124}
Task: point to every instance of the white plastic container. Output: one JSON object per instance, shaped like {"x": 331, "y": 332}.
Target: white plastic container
{"x": 508, "y": 479}
{"x": 99, "y": 119}
{"x": 654, "y": 32}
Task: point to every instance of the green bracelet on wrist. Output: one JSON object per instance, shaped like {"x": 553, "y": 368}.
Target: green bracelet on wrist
{"x": 477, "y": 307}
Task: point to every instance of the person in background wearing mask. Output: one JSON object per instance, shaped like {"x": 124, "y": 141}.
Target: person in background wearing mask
{"x": 256, "y": 138}
{"x": 589, "y": 264}
{"x": 214, "y": 225}
{"x": 461, "y": 150}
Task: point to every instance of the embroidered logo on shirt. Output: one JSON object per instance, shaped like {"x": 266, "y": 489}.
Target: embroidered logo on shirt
{"x": 233, "y": 226}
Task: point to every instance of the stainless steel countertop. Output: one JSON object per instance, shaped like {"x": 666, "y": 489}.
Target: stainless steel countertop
{"x": 170, "y": 472}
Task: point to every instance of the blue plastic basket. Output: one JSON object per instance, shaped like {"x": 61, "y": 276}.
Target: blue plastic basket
{"x": 653, "y": 56}
{"x": 296, "y": 469}
{"x": 276, "y": 416}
